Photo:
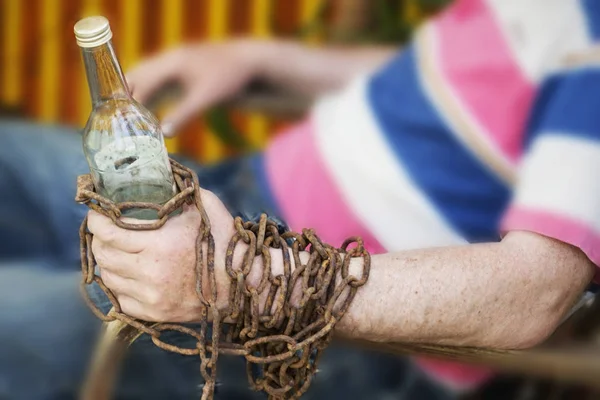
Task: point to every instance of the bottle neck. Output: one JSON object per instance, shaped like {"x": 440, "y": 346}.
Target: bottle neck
{"x": 104, "y": 75}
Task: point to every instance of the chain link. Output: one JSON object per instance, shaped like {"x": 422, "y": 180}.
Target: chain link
{"x": 283, "y": 343}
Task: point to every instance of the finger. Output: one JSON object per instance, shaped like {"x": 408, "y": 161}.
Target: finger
{"x": 149, "y": 76}
{"x": 116, "y": 261}
{"x": 146, "y": 295}
{"x": 120, "y": 285}
{"x": 106, "y": 231}
{"x": 136, "y": 309}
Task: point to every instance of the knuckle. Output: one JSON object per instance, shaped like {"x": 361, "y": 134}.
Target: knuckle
{"x": 99, "y": 252}
{"x": 105, "y": 275}
{"x": 97, "y": 224}
{"x": 96, "y": 246}
{"x": 154, "y": 298}
{"x": 109, "y": 281}
{"x": 128, "y": 308}
{"x": 154, "y": 313}
{"x": 108, "y": 235}
{"x": 92, "y": 220}
{"x": 207, "y": 195}
{"x": 156, "y": 316}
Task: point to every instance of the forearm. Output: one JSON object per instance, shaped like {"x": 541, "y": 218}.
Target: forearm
{"x": 507, "y": 295}
{"x": 312, "y": 71}
{"x": 504, "y": 295}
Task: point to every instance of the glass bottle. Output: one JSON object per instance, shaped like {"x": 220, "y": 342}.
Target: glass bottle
{"x": 122, "y": 140}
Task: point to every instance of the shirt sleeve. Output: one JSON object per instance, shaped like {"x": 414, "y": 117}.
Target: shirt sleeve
{"x": 558, "y": 189}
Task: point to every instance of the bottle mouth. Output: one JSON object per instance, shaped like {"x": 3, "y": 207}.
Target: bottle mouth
{"x": 92, "y": 31}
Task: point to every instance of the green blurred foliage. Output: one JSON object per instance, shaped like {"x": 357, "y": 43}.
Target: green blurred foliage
{"x": 220, "y": 123}
{"x": 387, "y": 25}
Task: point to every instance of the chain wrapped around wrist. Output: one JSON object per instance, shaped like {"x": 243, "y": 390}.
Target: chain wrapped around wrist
{"x": 282, "y": 340}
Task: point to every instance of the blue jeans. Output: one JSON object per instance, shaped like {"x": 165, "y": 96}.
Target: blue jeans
{"x": 47, "y": 333}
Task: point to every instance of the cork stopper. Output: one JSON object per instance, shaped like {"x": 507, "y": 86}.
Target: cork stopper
{"x": 92, "y": 31}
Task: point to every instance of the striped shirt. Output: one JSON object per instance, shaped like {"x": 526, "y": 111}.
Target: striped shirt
{"x": 489, "y": 121}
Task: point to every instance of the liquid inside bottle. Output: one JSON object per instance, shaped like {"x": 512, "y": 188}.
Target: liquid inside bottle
{"x": 132, "y": 170}
{"x": 122, "y": 140}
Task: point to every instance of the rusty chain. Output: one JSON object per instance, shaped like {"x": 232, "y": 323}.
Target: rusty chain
{"x": 283, "y": 342}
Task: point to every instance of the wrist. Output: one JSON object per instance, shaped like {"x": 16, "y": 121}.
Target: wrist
{"x": 267, "y": 57}
{"x": 276, "y": 266}
{"x": 256, "y": 54}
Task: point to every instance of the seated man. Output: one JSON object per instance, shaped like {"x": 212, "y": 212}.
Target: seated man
{"x": 478, "y": 132}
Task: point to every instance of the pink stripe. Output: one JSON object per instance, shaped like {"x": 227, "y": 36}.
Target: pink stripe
{"x": 308, "y": 197}
{"x": 457, "y": 376}
{"x": 558, "y": 227}
{"x": 306, "y": 194}
{"x": 479, "y": 67}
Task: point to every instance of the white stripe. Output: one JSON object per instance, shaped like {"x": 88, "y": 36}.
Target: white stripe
{"x": 542, "y": 33}
{"x": 371, "y": 179}
{"x": 561, "y": 175}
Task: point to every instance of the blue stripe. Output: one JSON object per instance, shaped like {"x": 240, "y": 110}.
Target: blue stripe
{"x": 257, "y": 164}
{"x": 466, "y": 193}
{"x": 592, "y": 13}
{"x": 569, "y": 104}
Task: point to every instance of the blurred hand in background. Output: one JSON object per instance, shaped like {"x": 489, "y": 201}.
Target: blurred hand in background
{"x": 209, "y": 74}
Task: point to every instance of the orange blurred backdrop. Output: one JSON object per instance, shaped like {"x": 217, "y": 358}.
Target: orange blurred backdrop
{"x": 42, "y": 74}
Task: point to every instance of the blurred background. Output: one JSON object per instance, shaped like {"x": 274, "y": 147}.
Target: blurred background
{"x": 42, "y": 75}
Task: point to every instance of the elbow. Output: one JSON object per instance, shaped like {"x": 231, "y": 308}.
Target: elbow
{"x": 529, "y": 329}
{"x": 536, "y": 318}
{"x": 533, "y": 336}
{"x": 549, "y": 278}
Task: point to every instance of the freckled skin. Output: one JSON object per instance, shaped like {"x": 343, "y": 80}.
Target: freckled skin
{"x": 510, "y": 294}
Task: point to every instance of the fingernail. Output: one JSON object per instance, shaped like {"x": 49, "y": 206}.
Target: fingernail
{"x": 167, "y": 128}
